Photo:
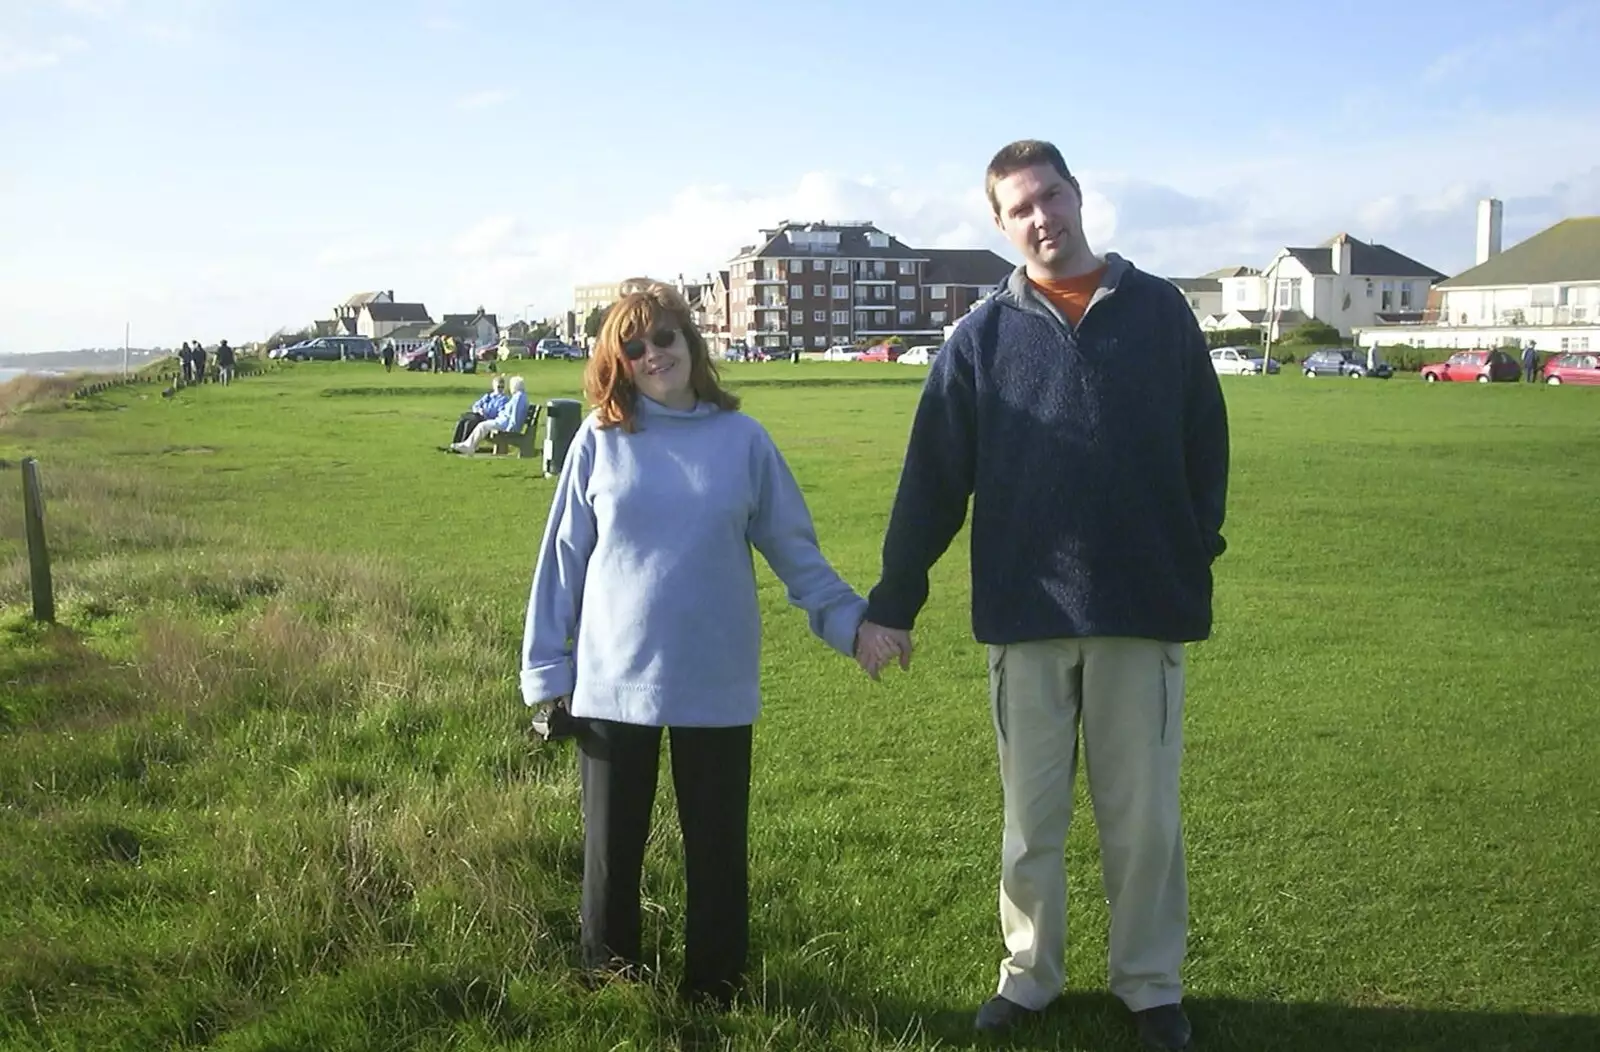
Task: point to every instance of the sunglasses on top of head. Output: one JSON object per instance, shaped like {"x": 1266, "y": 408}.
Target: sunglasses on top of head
{"x": 634, "y": 349}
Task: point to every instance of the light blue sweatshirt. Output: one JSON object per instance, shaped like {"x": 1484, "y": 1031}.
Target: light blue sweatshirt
{"x": 514, "y": 413}
{"x": 489, "y": 405}
{"x": 644, "y": 597}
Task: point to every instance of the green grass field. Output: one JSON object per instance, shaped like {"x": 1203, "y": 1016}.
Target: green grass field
{"x": 268, "y": 786}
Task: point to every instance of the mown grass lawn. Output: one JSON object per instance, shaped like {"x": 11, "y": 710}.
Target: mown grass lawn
{"x": 268, "y": 785}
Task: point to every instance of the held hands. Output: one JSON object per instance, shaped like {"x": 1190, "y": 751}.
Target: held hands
{"x": 876, "y": 646}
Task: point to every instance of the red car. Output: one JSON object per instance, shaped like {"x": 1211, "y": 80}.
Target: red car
{"x": 1481, "y": 366}
{"x": 1579, "y": 368}
{"x": 883, "y": 352}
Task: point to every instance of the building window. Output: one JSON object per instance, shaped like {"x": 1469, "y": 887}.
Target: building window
{"x": 796, "y": 317}
{"x": 937, "y": 317}
{"x": 1405, "y": 295}
{"x": 797, "y": 266}
{"x": 880, "y": 268}
{"x": 1288, "y": 293}
{"x": 1239, "y": 293}
{"x": 908, "y": 292}
{"x": 818, "y": 265}
{"x": 797, "y": 341}
{"x": 841, "y": 317}
{"x": 841, "y": 266}
{"x": 880, "y": 317}
{"x": 819, "y": 315}
{"x": 819, "y": 341}
{"x": 936, "y": 292}
{"x": 1387, "y": 301}
{"x": 797, "y": 292}
{"x": 841, "y": 292}
{"x": 985, "y": 291}
{"x": 880, "y": 293}
{"x": 819, "y": 290}
{"x": 907, "y": 268}
{"x": 908, "y": 317}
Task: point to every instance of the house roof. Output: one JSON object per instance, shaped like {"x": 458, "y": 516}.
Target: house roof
{"x": 471, "y": 319}
{"x": 462, "y": 326}
{"x": 1231, "y": 272}
{"x": 965, "y": 266}
{"x": 1286, "y": 319}
{"x": 1568, "y": 251}
{"x": 852, "y": 243}
{"x": 1366, "y": 260}
{"x": 1197, "y": 284}
{"x": 361, "y": 299}
{"x": 325, "y": 327}
{"x": 414, "y": 330}
{"x": 398, "y": 312}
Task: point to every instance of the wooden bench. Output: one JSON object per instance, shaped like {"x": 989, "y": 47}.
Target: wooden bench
{"x": 522, "y": 441}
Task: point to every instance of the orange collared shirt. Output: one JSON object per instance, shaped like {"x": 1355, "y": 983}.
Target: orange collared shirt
{"x": 1071, "y": 296}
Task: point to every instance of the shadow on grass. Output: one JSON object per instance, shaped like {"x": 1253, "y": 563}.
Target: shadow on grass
{"x": 1083, "y": 1020}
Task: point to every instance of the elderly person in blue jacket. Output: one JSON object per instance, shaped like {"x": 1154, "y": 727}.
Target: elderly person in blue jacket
{"x": 485, "y": 408}
{"x": 512, "y": 416}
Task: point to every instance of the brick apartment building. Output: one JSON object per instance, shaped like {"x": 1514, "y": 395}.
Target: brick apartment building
{"x": 814, "y": 285}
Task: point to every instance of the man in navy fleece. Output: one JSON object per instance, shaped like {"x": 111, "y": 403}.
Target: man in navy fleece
{"x": 1078, "y": 411}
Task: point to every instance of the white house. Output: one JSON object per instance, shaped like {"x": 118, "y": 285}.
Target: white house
{"x": 1544, "y": 291}
{"x": 1203, "y": 293}
{"x": 1344, "y": 282}
{"x": 1242, "y": 290}
{"x": 378, "y": 319}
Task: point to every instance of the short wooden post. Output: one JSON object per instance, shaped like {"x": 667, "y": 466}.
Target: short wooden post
{"x": 44, "y": 600}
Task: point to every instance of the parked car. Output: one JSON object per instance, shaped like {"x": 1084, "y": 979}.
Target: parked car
{"x": 331, "y": 349}
{"x": 921, "y": 354}
{"x": 1474, "y": 366}
{"x": 1343, "y": 361}
{"x": 881, "y": 352}
{"x": 1234, "y": 361}
{"x": 841, "y": 352}
{"x": 414, "y": 360}
{"x": 1578, "y": 368}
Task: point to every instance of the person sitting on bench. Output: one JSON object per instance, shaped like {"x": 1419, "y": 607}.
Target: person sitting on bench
{"x": 512, "y": 416}
{"x": 486, "y": 408}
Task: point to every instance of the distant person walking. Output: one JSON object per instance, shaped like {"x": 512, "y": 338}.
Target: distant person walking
{"x": 388, "y": 356}
{"x": 186, "y": 361}
{"x": 224, "y": 363}
{"x": 1530, "y": 363}
{"x": 199, "y": 363}
{"x": 436, "y": 355}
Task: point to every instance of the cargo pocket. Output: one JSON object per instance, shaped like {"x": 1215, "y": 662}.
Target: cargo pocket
{"x": 1171, "y": 692}
{"x": 997, "y": 690}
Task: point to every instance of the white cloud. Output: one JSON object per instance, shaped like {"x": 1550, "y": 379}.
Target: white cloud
{"x": 93, "y": 8}
{"x": 480, "y": 100}
{"x": 1489, "y": 56}
{"x": 22, "y": 56}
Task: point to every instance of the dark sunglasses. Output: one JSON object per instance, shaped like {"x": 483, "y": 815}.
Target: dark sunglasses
{"x": 633, "y": 350}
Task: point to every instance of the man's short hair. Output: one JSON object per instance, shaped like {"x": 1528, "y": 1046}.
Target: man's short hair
{"x": 1024, "y": 153}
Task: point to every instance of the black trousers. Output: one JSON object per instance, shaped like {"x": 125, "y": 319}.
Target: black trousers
{"x": 711, "y": 776}
{"x": 465, "y": 425}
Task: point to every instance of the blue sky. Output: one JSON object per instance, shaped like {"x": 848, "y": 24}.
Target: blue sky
{"x": 220, "y": 168}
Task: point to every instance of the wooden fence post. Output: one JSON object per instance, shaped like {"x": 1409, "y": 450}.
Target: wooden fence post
{"x": 44, "y": 600}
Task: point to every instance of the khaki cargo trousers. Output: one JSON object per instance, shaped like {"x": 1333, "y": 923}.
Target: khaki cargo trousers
{"x": 1127, "y": 694}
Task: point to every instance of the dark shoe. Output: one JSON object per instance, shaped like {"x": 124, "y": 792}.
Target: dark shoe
{"x": 998, "y": 1014}
{"x": 1165, "y": 1027}
{"x": 717, "y": 998}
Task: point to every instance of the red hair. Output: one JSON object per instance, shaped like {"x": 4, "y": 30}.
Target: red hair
{"x": 644, "y": 307}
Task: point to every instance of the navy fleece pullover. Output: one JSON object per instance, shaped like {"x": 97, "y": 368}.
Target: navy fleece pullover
{"x": 1095, "y": 458}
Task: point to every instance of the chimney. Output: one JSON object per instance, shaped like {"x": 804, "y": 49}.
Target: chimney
{"x": 1488, "y": 229}
{"x": 1340, "y": 251}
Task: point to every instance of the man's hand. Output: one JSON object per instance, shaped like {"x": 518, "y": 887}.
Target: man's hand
{"x": 876, "y": 646}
